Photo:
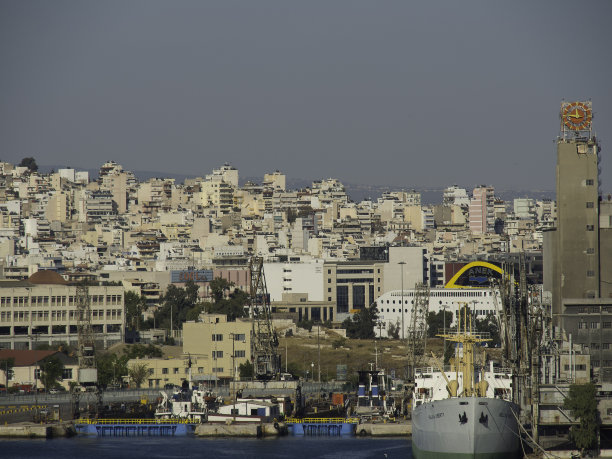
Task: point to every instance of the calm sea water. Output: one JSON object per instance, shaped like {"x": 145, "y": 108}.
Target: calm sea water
{"x": 190, "y": 447}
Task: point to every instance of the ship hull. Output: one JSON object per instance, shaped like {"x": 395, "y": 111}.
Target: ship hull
{"x": 471, "y": 427}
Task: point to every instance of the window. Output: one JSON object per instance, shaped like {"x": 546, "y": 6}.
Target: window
{"x": 589, "y": 182}
{"x": 358, "y": 296}
{"x": 594, "y": 325}
{"x": 607, "y": 325}
{"x": 590, "y": 251}
{"x": 590, "y": 228}
{"x": 582, "y": 325}
{"x": 175, "y": 370}
{"x": 217, "y": 337}
{"x": 328, "y": 289}
{"x": 164, "y": 371}
{"x": 217, "y": 369}
{"x": 589, "y": 204}
{"x": 605, "y": 345}
{"x": 342, "y": 298}
{"x": 217, "y": 355}
{"x": 239, "y": 337}
{"x": 240, "y": 354}
{"x": 590, "y": 273}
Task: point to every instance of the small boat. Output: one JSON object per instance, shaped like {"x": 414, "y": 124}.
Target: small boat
{"x": 187, "y": 404}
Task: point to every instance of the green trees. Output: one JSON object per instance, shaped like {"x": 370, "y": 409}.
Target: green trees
{"x": 361, "y": 325}
{"x": 583, "y": 405}
{"x": 51, "y": 370}
{"x": 393, "y": 330}
{"x": 138, "y": 373}
{"x": 111, "y": 368}
{"x": 231, "y": 304}
{"x": 489, "y": 324}
{"x": 246, "y": 370}
{"x": 437, "y": 321}
{"x": 6, "y": 366}
{"x": 176, "y": 304}
{"x": 135, "y": 305}
{"x": 30, "y": 163}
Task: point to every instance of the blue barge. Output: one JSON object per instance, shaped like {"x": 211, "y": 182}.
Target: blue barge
{"x": 322, "y": 426}
{"x": 135, "y": 427}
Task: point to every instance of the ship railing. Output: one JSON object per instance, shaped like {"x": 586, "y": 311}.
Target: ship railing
{"x": 431, "y": 370}
{"x": 322, "y": 420}
{"x": 449, "y": 369}
{"x": 473, "y": 333}
{"x": 500, "y": 370}
{"x": 134, "y": 421}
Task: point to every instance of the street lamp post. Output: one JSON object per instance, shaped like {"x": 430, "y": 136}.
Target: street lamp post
{"x": 402, "y": 263}
{"x": 233, "y": 338}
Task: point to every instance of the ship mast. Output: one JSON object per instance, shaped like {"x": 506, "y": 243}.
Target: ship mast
{"x": 468, "y": 338}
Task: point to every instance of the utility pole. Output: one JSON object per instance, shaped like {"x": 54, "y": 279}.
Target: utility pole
{"x": 319, "y": 349}
{"x": 444, "y": 322}
{"x": 375, "y": 355}
{"x": 402, "y": 263}
{"x": 233, "y": 337}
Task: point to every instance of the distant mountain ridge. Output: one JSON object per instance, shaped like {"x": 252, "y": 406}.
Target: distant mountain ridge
{"x": 357, "y": 192}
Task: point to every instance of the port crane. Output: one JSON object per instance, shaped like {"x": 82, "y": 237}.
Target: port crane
{"x": 264, "y": 341}
{"x": 86, "y": 349}
{"x": 417, "y": 333}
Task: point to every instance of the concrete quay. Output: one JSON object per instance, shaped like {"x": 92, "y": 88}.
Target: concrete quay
{"x": 26, "y": 430}
{"x": 384, "y": 429}
{"x": 239, "y": 430}
{"x": 33, "y": 430}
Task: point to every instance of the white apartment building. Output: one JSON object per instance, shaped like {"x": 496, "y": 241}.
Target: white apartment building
{"x": 453, "y": 195}
{"x": 295, "y": 277}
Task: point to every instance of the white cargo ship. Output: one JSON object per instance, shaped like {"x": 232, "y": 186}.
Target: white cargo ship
{"x": 458, "y": 413}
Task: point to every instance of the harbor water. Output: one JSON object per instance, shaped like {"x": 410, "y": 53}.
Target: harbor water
{"x": 192, "y": 447}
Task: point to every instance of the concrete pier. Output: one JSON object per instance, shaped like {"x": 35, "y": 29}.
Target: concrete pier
{"x": 26, "y": 430}
{"x": 239, "y": 430}
{"x": 33, "y": 430}
{"x": 388, "y": 429}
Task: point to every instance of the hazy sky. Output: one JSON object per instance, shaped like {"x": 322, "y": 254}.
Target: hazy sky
{"x": 400, "y": 92}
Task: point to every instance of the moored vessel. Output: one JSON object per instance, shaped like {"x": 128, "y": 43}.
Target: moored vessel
{"x": 457, "y": 412}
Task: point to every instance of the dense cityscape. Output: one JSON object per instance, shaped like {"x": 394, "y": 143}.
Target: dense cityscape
{"x": 200, "y": 279}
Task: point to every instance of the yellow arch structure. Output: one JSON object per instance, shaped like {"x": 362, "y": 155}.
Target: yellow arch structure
{"x": 484, "y": 264}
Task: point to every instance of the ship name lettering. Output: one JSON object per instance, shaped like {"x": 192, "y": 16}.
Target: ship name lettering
{"x": 437, "y": 415}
